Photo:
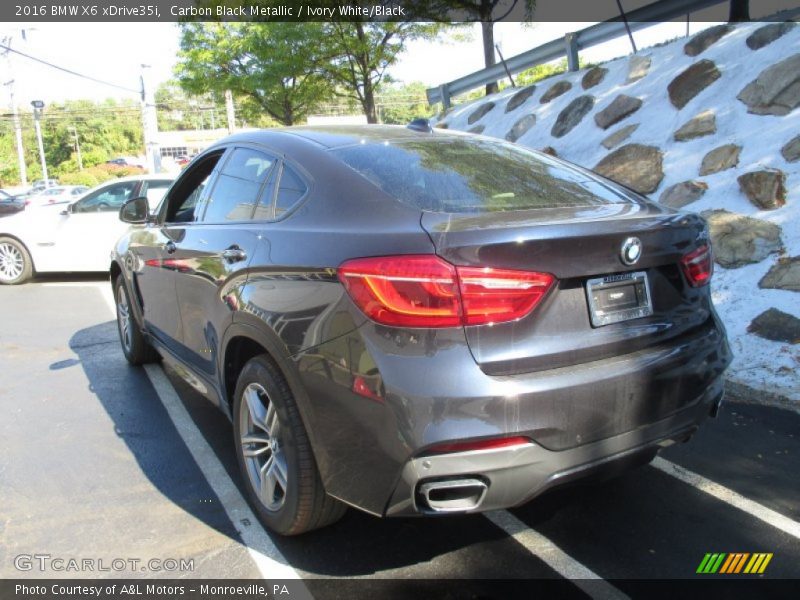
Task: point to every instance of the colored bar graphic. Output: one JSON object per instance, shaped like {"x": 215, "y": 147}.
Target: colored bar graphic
{"x": 734, "y": 563}
{"x": 727, "y": 564}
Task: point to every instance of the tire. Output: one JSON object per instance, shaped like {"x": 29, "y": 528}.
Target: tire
{"x": 135, "y": 347}
{"x": 278, "y": 467}
{"x": 16, "y": 265}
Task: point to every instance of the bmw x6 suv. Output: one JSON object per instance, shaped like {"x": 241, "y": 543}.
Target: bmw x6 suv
{"x": 417, "y": 322}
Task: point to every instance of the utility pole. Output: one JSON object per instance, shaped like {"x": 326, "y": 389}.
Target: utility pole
{"x": 230, "y": 111}
{"x": 38, "y": 106}
{"x": 150, "y": 126}
{"x": 74, "y": 132}
{"x": 23, "y": 171}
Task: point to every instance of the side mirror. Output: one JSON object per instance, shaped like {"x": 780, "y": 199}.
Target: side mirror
{"x": 135, "y": 211}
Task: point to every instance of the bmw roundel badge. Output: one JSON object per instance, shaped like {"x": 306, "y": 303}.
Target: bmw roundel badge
{"x": 631, "y": 251}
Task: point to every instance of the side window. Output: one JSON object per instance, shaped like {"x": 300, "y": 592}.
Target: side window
{"x": 290, "y": 190}
{"x": 183, "y": 200}
{"x": 155, "y": 189}
{"x": 264, "y": 209}
{"x": 109, "y": 198}
{"x": 237, "y": 188}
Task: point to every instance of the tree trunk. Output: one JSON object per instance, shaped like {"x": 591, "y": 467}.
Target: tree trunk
{"x": 487, "y": 28}
{"x": 739, "y": 11}
{"x": 369, "y": 103}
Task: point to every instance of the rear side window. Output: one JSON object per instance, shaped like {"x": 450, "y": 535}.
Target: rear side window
{"x": 238, "y": 186}
{"x": 290, "y": 190}
{"x": 455, "y": 175}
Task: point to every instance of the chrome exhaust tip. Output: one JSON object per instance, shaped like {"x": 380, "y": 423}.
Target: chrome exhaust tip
{"x": 715, "y": 406}
{"x": 455, "y": 495}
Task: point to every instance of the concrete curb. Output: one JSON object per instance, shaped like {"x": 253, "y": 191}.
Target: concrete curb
{"x": 742, "y": 393}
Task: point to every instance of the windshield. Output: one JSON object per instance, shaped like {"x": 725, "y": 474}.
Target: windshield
{"x": 473, "y": 175}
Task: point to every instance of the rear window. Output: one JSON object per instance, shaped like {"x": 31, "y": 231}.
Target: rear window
{"x": 454, "y": 175}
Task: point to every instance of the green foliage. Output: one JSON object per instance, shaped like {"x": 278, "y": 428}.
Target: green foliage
{"x": 359, "y": 54}
{"x": 98, "y": 174}
{"x": 79, "y": 178}
{"x": 104, "y": 130}
{"x": 400, "y": 104}
{"x": 540, "y": 72}
{"x": 281, "y": 72}
{"x": 178, "y": 111}
{"x": 275, "y": 68}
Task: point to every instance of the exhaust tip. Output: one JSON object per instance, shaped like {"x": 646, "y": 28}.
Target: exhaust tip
{"x": 455, "y": 495}
{"x": 715, "y": 406}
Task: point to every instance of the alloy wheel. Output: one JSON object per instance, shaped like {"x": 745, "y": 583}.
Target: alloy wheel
{"x": 11, "y": 262}
{"x": 124, "y": 318}
{"x": 262, "y": 449}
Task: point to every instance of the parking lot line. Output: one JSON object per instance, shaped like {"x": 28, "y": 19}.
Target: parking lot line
{"x": 720, "y": 492}
{"x": 558, "y": 560}
{"x": 268, "y": 558}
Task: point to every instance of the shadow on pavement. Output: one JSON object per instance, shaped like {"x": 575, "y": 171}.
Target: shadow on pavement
{"x": 358, "y": 545}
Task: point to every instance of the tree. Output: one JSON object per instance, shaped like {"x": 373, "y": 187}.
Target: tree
{"x": 275, "y": 66}
{"x": 486, "y": 12}
{"x": 739, "y": 11}
{"x": 104, "y": 129}
{"x": 359, "y": 53}
{"x": 400, "y": 104}
{"x": 178, "y": 110}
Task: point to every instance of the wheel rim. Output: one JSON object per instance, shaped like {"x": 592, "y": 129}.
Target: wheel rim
{"x": 12, "y": 262}
{"x": 262, "y": 447}
{"x": 124, "y": 318}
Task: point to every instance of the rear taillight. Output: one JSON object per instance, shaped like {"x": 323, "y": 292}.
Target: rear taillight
{"x": 698, "y": 266}
{"x": 426, "y": 291}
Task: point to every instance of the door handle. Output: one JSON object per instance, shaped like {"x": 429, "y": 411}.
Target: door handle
{"x": 170, "y": 247}
{"x": 234, "y": 254}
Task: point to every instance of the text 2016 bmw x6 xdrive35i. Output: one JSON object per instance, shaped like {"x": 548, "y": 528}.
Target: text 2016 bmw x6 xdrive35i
{"x": 412, "y": 322}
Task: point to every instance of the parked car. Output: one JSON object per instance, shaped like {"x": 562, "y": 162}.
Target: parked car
{"x": 123, "y": 161}
{"x": 41, "y": 184}
{"x": 417, "y": 322}
{"x": 9, "y": 204}
{"x": 61, "y": 194}
{"x": 71, "y": 237}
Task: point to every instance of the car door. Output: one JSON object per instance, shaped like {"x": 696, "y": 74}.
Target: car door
{"x": 85, "y": 232}
{"x": 215, "y": 251}
{"x": 153, "y": 248}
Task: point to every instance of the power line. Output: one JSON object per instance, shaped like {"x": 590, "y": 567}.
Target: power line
{"x": 71, "y": 72}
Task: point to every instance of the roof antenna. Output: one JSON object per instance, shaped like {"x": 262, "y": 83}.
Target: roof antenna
{"x": 420, "y": 124}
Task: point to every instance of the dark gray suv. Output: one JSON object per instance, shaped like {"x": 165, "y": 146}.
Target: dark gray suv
{"x": 418, "y": 322}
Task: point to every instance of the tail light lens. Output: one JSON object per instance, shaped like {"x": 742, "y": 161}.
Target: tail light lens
{"x": 426, "y": 291}
{"x": 698, "y": 266}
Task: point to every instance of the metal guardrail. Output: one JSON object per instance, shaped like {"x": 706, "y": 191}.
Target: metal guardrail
{"x": 640, "y": 18}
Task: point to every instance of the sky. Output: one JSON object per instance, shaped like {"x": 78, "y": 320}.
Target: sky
{"x": 114, "y": 52}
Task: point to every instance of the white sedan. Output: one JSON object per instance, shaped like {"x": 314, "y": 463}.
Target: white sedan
{"x": 60, "y": 194}
{"x": 72, "y": 237}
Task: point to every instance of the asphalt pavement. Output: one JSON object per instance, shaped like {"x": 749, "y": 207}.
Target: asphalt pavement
{"x": 103, "y": 461}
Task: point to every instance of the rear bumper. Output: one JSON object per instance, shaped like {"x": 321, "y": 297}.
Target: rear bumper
{"x": 516, "y": 475}
{"x": 380, "y": 397}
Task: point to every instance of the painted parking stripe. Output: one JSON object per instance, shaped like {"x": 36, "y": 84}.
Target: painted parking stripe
{"x": 271, "y": 563}
{"x": 268, "y": 558}
{"x": 558, "y": 560}
{"x": 720, "y": 492}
